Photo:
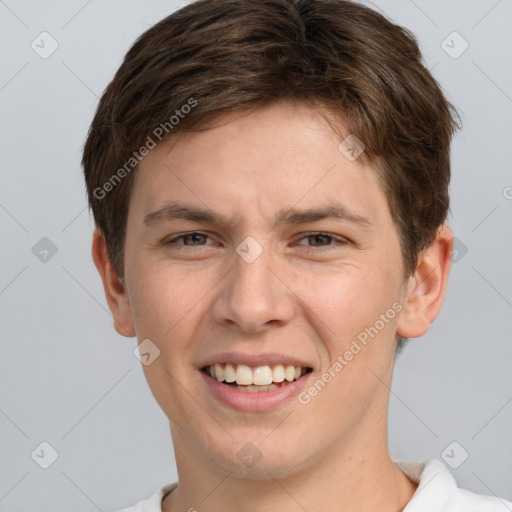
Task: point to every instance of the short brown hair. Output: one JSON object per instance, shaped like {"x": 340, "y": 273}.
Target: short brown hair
{"x": 226, "y": 55}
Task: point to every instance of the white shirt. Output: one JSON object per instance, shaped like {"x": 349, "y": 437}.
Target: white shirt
{"x": 437, "y": 492}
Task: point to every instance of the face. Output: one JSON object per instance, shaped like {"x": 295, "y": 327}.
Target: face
{"x": 254, "y": 280}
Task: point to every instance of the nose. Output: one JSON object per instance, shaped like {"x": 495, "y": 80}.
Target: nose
{"x": 254, "y": 296}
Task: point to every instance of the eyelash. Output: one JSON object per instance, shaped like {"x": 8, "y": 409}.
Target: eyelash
{"x": 339, "y": 240}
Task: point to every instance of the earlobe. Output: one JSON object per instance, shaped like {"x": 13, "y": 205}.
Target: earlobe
{"x": 426, "y": 288}
{"x": 115, "y": 292}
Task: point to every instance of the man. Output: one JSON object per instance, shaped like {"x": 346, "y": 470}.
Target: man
{"x": 269, "y": 182}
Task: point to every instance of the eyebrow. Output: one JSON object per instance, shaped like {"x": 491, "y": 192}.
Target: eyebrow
{"x": 287, "y": 216}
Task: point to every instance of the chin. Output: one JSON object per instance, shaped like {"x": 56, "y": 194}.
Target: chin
{"x": 251, "y": 462}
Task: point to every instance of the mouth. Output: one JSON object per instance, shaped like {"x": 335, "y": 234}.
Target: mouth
{"x": 255, "y": 379}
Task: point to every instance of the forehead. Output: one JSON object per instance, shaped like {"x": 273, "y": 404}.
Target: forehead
{"x": 272, "y": 158}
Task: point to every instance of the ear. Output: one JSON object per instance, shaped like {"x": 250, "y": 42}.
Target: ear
{"x": 427, "y": 286}
{"x": 115, "y": 291}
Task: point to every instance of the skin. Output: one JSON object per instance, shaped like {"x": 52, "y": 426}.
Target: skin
{"x": 332, "y": 453}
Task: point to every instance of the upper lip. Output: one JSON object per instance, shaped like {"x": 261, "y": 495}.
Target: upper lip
{"x": 271, "y": 358}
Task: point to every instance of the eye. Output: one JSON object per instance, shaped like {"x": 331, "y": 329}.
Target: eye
{"x": 195, "y": 238}
{"x": 323, "y": 240}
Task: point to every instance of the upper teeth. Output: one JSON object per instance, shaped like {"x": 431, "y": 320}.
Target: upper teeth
{"x": 259, "y": 376}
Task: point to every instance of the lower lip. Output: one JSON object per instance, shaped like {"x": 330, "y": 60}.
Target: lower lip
{"x": 259, "y": 401}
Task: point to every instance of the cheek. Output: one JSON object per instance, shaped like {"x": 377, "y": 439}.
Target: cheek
{"x": 169, "y": 304}
{"x": 162, "y": 299}
{"x": 344, "y": 306}
{"x": 354, "y": 340}
{"x": 344, "y": 299}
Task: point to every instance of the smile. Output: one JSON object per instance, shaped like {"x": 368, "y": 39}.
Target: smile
{"x": 260, "y": 378}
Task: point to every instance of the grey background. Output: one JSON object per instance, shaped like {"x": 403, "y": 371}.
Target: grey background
{"x": 67, "y": 378}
